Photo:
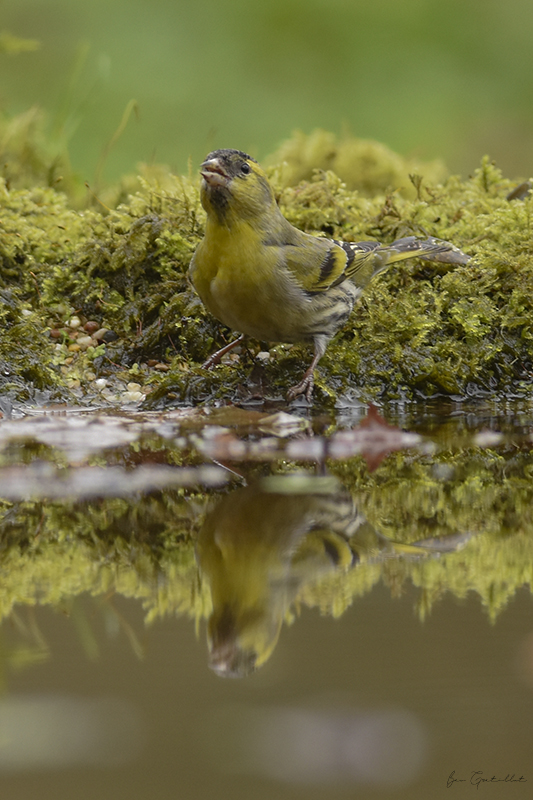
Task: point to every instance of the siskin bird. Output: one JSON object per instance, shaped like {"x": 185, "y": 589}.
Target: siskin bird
{"x": 256, "y": 551}
{"x": 263, "y": 547}
{"x": 260, "y": 275}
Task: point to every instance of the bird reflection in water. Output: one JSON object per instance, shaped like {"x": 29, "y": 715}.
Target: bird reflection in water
{"x": 261, "y": 545}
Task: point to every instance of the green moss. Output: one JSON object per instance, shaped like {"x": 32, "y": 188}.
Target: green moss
{"x": 419, "y": 331}
{"x": 364, "y": 165}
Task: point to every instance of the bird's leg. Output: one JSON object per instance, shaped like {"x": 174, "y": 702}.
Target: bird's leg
{"x": 215, "y": 358}
{"x": 308, "y": 380}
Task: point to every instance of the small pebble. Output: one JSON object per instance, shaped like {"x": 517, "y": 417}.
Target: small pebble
{"x": 264, "y": 356}
{"x": 152, "y": 362}
{"x": 86, "y": 341}
{"x": 133, "y": 387}
{"x": 90, "y": 376}
{"x": 161, "y": 367}
{"x": 132, "y": 397}
{"x": 101, "y": 383}
{"x": 55, "y": 333}
{"x": 99, "y": 334}
{"x": 91, "y": 326}
{"x": 74, "y": 348}
{"x": 74, "y": 322}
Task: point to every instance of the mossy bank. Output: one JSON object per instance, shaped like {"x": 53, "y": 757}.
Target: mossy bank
{"x": 96, "y": 306}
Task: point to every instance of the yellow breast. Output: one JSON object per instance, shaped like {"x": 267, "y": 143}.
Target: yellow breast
{"x": 240, "y": 282}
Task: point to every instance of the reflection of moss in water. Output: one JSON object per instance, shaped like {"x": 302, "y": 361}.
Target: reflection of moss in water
{"x": 493, "y": 570}
{"x": 477, "y": 491}
{"x": 419, "y": 331}
{"x": 54, "y": 551}
{"x": 144, "y": 548}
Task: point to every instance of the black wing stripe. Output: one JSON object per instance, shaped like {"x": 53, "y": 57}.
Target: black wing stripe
{"x": 348, "y": 249}
{"x": 328, "y": 266}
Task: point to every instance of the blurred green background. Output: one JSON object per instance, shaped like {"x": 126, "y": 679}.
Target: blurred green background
{"x": 430, "y": 78}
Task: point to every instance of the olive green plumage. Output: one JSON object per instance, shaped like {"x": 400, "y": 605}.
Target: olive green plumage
{"x": 260, "y": 275}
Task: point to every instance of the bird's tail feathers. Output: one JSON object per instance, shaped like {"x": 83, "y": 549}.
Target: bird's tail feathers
{"x": 430, "y": 249}
{"x": 372, "y": 258}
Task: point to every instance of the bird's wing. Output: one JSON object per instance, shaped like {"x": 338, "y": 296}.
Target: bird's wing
{"x": 318, "y": 264}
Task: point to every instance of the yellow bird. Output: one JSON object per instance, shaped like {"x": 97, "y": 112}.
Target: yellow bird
{"x": 263, "y": 546}
{"x": 256, "y": 550}
{"x": 260, "y": 275}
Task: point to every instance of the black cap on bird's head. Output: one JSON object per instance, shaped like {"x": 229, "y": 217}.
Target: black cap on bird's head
{"x": 221, "y": 166}
{"x": 233, "y": 182}
{"x": 228, "y": 656}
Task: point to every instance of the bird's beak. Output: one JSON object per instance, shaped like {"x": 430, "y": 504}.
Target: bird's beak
{"x": 214, "y": 173}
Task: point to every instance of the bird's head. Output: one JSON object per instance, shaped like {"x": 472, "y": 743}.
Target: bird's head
{"x": 234, "y": 186}
{"x": 242, "y": 638}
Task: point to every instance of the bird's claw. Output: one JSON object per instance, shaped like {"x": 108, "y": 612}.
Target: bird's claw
{"x": 305, "y": 387}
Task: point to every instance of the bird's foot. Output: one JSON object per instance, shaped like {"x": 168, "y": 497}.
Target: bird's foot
{"x": 214, "y": 359}
{"x": 305, "y": 387}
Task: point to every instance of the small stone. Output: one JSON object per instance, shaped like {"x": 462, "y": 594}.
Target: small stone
{"x": 161, "y": 367}
{"x": 99, "y": 334}
{"x": 91, "y": 326}
{"x": 86, "y": 341}
{"x": 132, "y": 397}
{"x": 101, "y": 383}
{"x": 74, "y": 348}
{"x": 74, "y": 322}
{"x": 133, "y": 387}
{"x": 55, "y": 333}
{"x": 263, "y": 356}
{"x": 152, "y": 362}
{"x": 90, "y": 376}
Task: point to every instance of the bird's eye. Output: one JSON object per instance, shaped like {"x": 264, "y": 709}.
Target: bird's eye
{"x": 246, "y": 168}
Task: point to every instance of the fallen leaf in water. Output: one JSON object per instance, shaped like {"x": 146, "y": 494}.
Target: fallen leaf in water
{"x": 373, "y": 438}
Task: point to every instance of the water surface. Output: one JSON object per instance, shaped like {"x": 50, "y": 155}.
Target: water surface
{"x": 234, "y": 604}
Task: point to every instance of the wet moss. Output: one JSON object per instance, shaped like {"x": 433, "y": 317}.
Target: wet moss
{"x": 420, "y": 330}
{"x": 144, "y": 546}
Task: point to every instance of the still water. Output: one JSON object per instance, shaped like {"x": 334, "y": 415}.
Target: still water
{"x": 232, "y": 604}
